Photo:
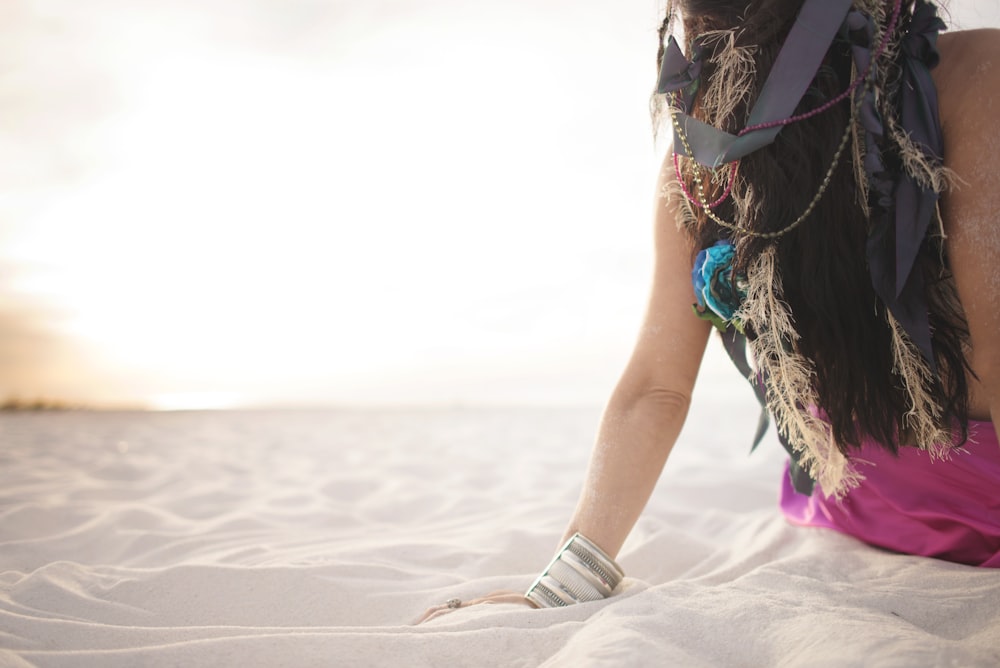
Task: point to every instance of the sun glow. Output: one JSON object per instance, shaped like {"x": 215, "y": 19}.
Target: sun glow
{"x": 260, "y": 226}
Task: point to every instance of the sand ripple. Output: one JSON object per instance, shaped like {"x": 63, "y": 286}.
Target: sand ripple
{"x": 314, "y": 538}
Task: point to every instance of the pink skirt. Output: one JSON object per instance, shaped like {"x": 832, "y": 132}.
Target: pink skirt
{"x": 948, "y": 509}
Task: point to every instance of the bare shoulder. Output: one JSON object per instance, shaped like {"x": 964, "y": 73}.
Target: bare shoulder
{"x": 968, "y": 81}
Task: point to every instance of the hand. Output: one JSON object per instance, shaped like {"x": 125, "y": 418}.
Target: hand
{"x": 503, "y": 596}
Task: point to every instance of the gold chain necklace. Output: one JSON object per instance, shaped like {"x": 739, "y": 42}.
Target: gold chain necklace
{"x": 700, "y": 187}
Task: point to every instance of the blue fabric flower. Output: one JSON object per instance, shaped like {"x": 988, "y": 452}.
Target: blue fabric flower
{"x": 718, "y": 292}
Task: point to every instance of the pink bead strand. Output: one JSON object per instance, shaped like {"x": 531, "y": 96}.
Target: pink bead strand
{"x": 691, "y": 198}
{"x": 850, "y": 89}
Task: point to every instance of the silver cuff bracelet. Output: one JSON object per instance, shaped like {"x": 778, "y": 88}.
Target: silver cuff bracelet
{"x": 579, "y": 572}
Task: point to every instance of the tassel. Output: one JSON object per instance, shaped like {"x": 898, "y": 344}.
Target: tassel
{"x": 733, "y": 80}
{"x": 790, "y": 391}
{"x": 923, "y": 419}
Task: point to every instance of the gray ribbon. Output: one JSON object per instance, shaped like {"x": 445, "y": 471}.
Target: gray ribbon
{"x": 792, "y": 73}
{"x": 902, "y": 208}
{"x": 678, "y": 74}
{"x": 736, "y": 347}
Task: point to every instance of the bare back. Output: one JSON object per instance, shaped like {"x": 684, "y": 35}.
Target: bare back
{"x": 968, "y": 82}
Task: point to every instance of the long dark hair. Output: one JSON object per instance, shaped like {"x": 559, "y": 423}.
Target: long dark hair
{"x": 842, "y": 323}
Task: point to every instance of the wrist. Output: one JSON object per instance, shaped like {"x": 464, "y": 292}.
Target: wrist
{"x": 580, "y": 572}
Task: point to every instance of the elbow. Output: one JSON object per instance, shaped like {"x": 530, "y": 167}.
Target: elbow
{"x": 665, "y": 400}
{"x": 659, "y": 411}
{"x": 656, "y": 401}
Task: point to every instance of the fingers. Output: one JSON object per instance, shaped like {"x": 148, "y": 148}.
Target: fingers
{"x": 450, "y": 605}
{"x": 503, "y": 596}
{"x": 430, "y": 614}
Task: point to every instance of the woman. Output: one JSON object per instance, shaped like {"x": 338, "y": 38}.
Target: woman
{"x": 835, "y": 186}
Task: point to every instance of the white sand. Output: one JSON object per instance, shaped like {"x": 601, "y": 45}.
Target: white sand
{"x": 314, "y": 539}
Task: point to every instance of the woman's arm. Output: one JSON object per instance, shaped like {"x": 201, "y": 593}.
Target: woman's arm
{"x": 647, "y": 409}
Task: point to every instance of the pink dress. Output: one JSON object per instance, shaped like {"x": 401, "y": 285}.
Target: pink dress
{"x": 948, "y": 509}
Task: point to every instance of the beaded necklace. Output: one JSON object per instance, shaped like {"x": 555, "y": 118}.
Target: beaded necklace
{"x": 707, "y": 207}
{"x": 700, "y": 200}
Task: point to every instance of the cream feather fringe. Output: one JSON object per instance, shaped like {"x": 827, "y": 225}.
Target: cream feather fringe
{"x": 734, "y": 75}
{"x": 929, "y": 174}
{"x": 789, "y": 391}
{"x": 671, "y": 193}
{"x": 858, "y": 152}
{"x": 922, "y": 422}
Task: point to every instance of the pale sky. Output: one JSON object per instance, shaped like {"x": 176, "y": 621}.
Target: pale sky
{"x": 245, "y": 202}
